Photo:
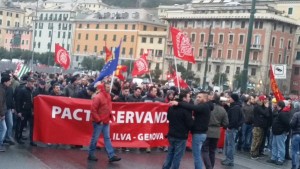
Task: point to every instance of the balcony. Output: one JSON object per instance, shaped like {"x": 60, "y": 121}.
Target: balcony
{"x": 216, "y": 60}
{"x": 210, "y": 44}
{"x": 254, "y": 62}
{"x": 256, "y": 47}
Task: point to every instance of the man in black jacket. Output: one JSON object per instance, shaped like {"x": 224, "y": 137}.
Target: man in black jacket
{"x": 295, "y": 126}
{"x": 24, "y": 105}
{"x": 180, "y": 123}
{"x": 201, "y": 119}
{"x": 235, "y": 118}
{"x": 10, "y": 104}
{"x": 136, "y": 96}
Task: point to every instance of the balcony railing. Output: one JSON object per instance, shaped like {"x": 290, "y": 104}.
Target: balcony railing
{"x": 209, "y": 44}
{"x": 256, "y": 47}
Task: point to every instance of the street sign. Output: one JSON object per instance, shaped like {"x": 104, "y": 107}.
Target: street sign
{"x": 279, "y": 71}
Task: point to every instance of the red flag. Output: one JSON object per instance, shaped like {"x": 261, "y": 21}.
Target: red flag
{"x": 108, "y": 53}
{"x": 62, "y": 57}
{"x": 182, "y": 45}
{"x": 119, "y": 71}
{"x": 276, "y": 91}
{"x": 182, "y": 83}
{"x": 140, "y": 66}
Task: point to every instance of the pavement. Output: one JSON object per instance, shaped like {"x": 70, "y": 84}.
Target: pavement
{"x": 45, "y": 157}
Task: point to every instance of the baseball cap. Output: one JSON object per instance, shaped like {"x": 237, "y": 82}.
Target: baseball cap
{"x": 30, "y": 79}
{"x": 262, "y": 98}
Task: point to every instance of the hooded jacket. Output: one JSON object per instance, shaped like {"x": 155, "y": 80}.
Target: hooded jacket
{"x": 235, "y": 115}
{"x": 101, "y": 107}
{"x": 281, "y": 122}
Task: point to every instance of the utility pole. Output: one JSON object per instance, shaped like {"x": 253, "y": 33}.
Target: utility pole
{"x": 208, "y": 54}
{"x": 33, "y": 42}
{"x": 249, "y": 38}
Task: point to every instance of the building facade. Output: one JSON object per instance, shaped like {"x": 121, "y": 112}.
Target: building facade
{"x": 18, "y": 38}
{"x": 139, "y": 31}
{"x": 272, "y": 40}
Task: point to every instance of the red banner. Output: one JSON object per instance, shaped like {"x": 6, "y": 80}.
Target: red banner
{"x": 140, "y": 66}
{"x": 276, "y": 91}
{"x": 63, "y": 120}
{"x": 182, "y": 45}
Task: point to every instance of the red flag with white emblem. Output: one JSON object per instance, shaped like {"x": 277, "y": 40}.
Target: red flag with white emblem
{"x": 62, "y": 57}
{"x": 140, "y": 66}
{"x": 182, "y": 45}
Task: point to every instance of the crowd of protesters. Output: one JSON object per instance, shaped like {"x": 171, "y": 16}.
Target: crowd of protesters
{"x": 252, "y": 124}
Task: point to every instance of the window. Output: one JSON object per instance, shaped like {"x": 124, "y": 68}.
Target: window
{"x": 221, "y": 38}
{"x": 125, "y": 38}
{"x": 253, "y": 72}
{"x": 144, "y": 40}
{"x": 238, "y": 70}
{"x": 131, "y": 51}
{"x": 133, "y": 27}
{"x": 279, "y": 58}
{"x": 58, "y": 35}
{"x": 160, "y": 41}
{"x": 274, "y": 26}
{"x": 243, "y": 24}
{"x": 80, "y": 26}
{"x": 116, "y": 26}
{"x": 257, "y": 40}
{"x": 151, "y": 40}
{"x": 287, "y": 60}
{"x": 132, "y": 38}
{"x": 155, "y": 28}
{"x": 96, "y": 37}
{"x": 202, "y": 38}
{"x": 281, "y": 44}
{"x": 106, "y": 26}
{"x": 218, "y": 68}
{"x": 69, "y": 35}
{"x": 240, "y": 53}
{"x": 198, "y": 66}
{"x": 282, "y": 28}
{"x": 200, "y": 52}
{"x": 219, "y": 53}
{"x": 39, "y": 44}
{"x": 227, "y": 69}
{"x": 105, "y": 37}
{"x": 193, "y": 37}
{"x": 85, "y": 48}
{"x": 87, "y": 37}
{"x": 209, "y": 68}
{"x": 230, "y": 39}
{"x": 241, "y": 41}
{"x": 296, "y": 70}
{"x": 95, "y": 49}
{"x": 273, "y": 41}
{"x": 114, "y": 37}
{"x": 87, "y": 26}
{"x": 290, "y": 12}
{"x": 8, "y": 23}
{"x": 144, "y": 28}
{"x": 229, "y": 54}
{"x": 298, "y": 56}
{"x": 79, "y": 36}
{"x": 126, "y": 26}
{"x": 50, "y": 33}
{"x": 97, "y": 26}
{"x": 123, "y": 51}
{"x": 290, "y": 44}
{"x": 258, "y": 25}
{"x": 255, "y": 55}
{"x": 142, "y": 52}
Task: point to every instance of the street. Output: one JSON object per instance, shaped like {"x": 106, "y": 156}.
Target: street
{"x": 25, "y": 157}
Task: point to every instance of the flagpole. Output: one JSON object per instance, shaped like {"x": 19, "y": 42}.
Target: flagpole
{"x": 112, "y": 81}
{"x": 150, "y": 76}
{"x": 175, "y": 60}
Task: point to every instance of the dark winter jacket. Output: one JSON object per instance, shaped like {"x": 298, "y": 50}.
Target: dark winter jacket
{"x": 3, "y": 107}
{"x": 281, "y": 123}
{"x": 180, "y": 122}
{"x": 39, "y": 91}
{"x": 83, "y": 95}
{"x": 150, "y": 98}
{"x": 10, "y": 103}
{"x": 248, "y": 113}
{"x": 24, "y": 101}
{"x": 261, "y": 116}
{"x": 201, "y": 114}
{"x": 218, "y": 118}
{"x": 295, "y": 123}
{"x": 235, "y": 115}
{"x": 132, "y": 98}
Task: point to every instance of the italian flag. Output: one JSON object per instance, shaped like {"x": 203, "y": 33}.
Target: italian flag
{"x": 21, "y": 70}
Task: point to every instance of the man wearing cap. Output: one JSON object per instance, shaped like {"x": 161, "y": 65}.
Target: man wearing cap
{"x": 5, "y": 82}
{"x": 235, "y": 118}
{"x": 72, "y": 89}
{"x": 261, "y": 117}
{"x": 40, "y": 90}
{"x": 24, "y": 105}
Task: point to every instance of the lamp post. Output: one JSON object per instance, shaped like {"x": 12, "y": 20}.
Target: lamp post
{"x": 249, "y": 37}
{"x": 208, "y": 54}
{"x": 33, "y": 42}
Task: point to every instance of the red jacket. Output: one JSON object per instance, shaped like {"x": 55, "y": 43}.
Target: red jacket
{"x": 101, "y": 108}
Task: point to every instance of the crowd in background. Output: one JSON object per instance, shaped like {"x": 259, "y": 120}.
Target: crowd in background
{"x": 249, "y": 123}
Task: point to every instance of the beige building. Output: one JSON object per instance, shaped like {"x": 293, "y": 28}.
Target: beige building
{"x": 139, "y": 30}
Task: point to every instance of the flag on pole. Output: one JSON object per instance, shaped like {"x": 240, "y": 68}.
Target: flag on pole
{"x": 108, "y": 53}
{"x": 62, "y": 56}
{"x": 110, "y": 66}
{"x": 119, "y": 72}
{"x": 21, "y": 70}
{"x": 140, "y": 66}
{"x": 276, "y": 91}
{"x": 182, "y": 46}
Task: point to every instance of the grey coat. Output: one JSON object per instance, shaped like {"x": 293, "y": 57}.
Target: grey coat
{"x": 218, "y": 118}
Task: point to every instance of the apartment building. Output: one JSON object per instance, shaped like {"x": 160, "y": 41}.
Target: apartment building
{"x": 18, "y": 38}
{"x": 138, "y": 29}
{"x": 272, "y": 39}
